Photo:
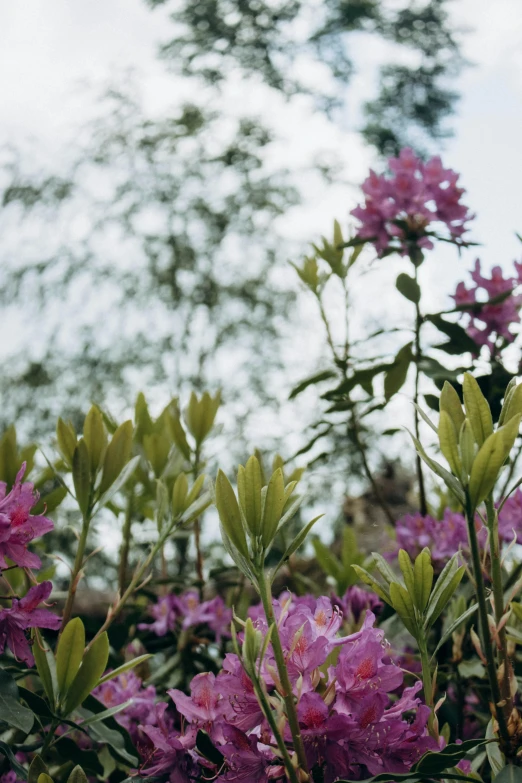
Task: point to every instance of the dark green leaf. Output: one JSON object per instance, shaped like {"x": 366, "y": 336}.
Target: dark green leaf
{"x": 509, "y": 774}
{"x": 207, "y": 748}
{"x": 15, "y": 766}
{"x": 408, "y": 287}
{"x": 459, "y": 338}
{"x": 313, "y": 379}
{"x": 11, "y": 711}
{"x": 396, "y": 375}
{"x": 36, "y": 768}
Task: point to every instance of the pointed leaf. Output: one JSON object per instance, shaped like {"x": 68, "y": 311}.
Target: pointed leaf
{"x": 423, "y": 577}
{"x": 69, "y": 654}
{"x": 477, "y": 409}
{"x": 93, "y": 665}
{"x": 229, "y": 514}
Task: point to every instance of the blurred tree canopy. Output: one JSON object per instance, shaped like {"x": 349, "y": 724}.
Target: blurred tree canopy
{"x": 273, "y": 39}
{"x": 150, "y": 260}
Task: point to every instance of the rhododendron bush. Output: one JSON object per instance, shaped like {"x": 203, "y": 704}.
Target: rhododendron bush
{"x": 242, "y": 662}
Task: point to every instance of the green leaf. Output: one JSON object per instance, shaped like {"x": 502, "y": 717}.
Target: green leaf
{"x": 311, "y": 381}
{"x": 489, "y": 460}
{"x": 95, "y": 437}
{"x": 395, "y": 377}
{"x": 208, "y": 750}
{"x": 444, "y": 597}
{"x": 509, "y": 774}
{"x": 81, "y": 471}
{"x": 77, "y": 775}
{"x": 69, "y": 654}
{"x": 296, "y": 543}
{"x": 457, "y": 334}
{"x": 15, "y": 766}
{"x": 368, "y": 579}
{"x": 119, "y": 483}
{"x": 36, "y": 768}
{"x": 451, "y": 404}
{"x": 403, "y": 605}
{"x": 180, "y": 438}
{"x": 66, "y": 437}
{"x": 327, "y": 560}
{"x": 508, "y": 394}
{"x": 444, "y": 579}
{"x": 407, "y": 570}
{"x": 117, "y": 455}
{"x": 43, "y": 777}
{"x": 477, "y": 409}
{"x": 11, "y": 711}
{"x": 408, "y": 287}
{"x": 229, "y": 514}
{"x": 450, "y": 481}
{"x": 251, "y": 496}
{"x": 494, "y": 754}
{"x": 125, "y": 667}
{"x": 93, "y": 665}
{"x": 273, "y": 507}
{"x": 45, "y": 666}
{"x": 434, "y": 764}
{"x": 423, "y": 578}
{"x": 454, "y": 625}
{"x": 448, "y": 442}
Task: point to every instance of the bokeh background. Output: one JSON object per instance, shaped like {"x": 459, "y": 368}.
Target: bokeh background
{"x": 162, "y": 163}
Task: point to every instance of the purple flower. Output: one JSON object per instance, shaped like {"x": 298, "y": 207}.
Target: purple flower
{"x": 188, "y": 611}
{"x": 400, "y": 209}
{"x": 443, "y": 537}
{"x": 356, "y": 601}
{"x": 243, "y": 758}
{"x": 510, "y": 518}
{"x": 491, "y": 322}
{"x": 351, "y": 720}
{"x": 17, "y": 526}
{"x": 167, "y": 756}
{"x": 240, "y": 705}
{"x": 164, "y": 614}
{"x": 202, "y": 709}
{"x": 122, "y": 688}
{"x": 24, "y": 614}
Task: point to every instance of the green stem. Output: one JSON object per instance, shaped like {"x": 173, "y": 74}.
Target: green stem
{"x": 423, "y": 506}
{"x": 498, "y": 601}
{"x": 485, "y": 635}
{"x": 267, "y": 712}
{"x": 197, "y": 533}
{"x": 354, "y": 423}
{"x": 126, "y": 542}
{"x": 135, "y": 581}
{"x": 427, "y": 684}
{"x": 48, "y": 738}
{"x": 288, "y": 696}
{"x": 77, "y": 567}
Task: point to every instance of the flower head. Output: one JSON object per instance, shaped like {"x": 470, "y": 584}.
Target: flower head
{"x": 24, "y": 614}
{"x": 400, "y": 211}
{"x": 488, "y": 323}
{"x": 17, "y": 526}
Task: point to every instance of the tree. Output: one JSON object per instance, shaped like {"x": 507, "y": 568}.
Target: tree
{"x": 157, "y": 263}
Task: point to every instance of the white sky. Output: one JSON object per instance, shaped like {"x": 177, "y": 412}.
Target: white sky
{"x": 48, "y": 46}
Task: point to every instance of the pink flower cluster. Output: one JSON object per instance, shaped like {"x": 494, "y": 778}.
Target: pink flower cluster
{"x": 401, "y": 211}
{"x": 448, "y": 535}
{"x": 489, "y": 322}
{"x": 17, "y": 529}
{"x": 350, "y": 726}
{"x": 188, "y": 611}
{"x": 142, "y": 710}
{"x": 443, "y": 537}
{"x": 510, "y": 518}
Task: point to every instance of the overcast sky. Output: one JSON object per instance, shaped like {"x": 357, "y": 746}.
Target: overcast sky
{"x": 47, "y": 46}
